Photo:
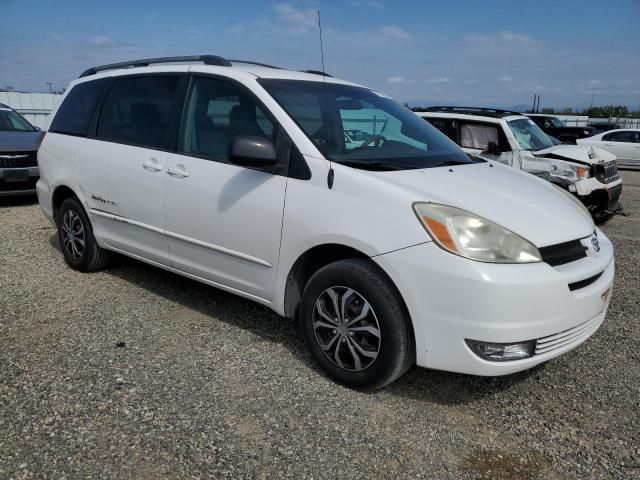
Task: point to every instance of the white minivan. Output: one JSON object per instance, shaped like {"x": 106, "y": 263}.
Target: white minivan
{"x": 396, "y": 250}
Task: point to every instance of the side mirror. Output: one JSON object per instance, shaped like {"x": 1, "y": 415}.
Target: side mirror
{"x": 256, "y": 152}
{"x": 493, "y": 148}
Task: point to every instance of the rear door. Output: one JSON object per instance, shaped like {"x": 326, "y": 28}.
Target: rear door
{"x": 122, "y": 167}
{"x": 223, "y": 222}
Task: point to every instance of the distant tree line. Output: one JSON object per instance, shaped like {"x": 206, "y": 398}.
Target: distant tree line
{"x": 606, "y": 111}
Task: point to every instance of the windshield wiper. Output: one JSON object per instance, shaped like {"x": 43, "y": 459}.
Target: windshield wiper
{"x": 375, "y": 165}
{"x": 449, "y": 163}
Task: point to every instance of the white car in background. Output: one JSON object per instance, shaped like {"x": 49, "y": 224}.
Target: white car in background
{"x": 511, "y": 138}
{"x": 623, "y": 143}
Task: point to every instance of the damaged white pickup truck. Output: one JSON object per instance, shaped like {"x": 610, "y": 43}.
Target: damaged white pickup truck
{"x": 589, "y": 173}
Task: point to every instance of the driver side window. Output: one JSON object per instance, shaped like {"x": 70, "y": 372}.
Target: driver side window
{"x": 217, "y": 112}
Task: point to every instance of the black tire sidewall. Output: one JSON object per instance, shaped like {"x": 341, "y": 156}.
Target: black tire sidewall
{"x": 90, "y": 242}
{"x": 389, "y": 312}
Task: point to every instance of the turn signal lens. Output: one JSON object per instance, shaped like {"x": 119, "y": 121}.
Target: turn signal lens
{"x": 468, "y": 235}
{"x": 581, "y": 172}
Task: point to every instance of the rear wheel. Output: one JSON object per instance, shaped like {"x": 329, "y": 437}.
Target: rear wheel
{"x": 355, "y": 325}
{"x": 79, "y": 246}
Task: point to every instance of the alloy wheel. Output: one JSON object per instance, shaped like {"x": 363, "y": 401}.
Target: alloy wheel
{"x": 73, "y": 236}
{"x": 346, "y": 328}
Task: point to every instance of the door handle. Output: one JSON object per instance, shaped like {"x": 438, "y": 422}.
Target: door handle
{"x": 177, "y": 172}
{"x": 152, "y": 166}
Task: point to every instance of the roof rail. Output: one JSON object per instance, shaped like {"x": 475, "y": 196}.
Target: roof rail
{"x": 489, "y": 112}
{"x": 317, "y": 72}
{"x": 207, "y": 59}
{"x": 249, "y": 62}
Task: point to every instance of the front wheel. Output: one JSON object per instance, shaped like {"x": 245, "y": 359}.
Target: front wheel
{"x": 355, "y": 325}
{"x": 75, "y": 235}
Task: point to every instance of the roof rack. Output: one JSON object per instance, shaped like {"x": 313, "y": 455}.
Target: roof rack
{"x": 206, "y": 59}
{"x": 249, "y": 62}
{"x": 487, "y": 112}
{"x": 317, "y": 72}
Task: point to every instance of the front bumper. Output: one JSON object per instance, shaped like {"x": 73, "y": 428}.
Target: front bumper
{"x": 451, "y": 299}
{"x": 600, "y": 196}
{"x": 18, "y": 181}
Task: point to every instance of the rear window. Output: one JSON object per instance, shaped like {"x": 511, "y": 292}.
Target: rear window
{"x": 74, "y": 115}
{"x": 137, "y": 111}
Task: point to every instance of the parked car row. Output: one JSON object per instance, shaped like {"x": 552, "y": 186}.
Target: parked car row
{"x": 389, "y": 246}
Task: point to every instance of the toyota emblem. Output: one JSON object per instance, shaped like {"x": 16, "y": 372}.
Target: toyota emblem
{"x": 595, "y": 243}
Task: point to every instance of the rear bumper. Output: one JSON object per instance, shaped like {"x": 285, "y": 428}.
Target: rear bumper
{"x": 18, "y": 181}
{"x": 451, "y": 299}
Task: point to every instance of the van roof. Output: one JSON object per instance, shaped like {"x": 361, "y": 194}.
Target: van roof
{"x": 258, "y": 69}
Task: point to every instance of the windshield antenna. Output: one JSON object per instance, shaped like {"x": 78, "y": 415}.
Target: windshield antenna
{"x": 331, "y": 173}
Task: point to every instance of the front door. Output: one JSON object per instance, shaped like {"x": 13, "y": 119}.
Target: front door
{"x": 223, "y": 222}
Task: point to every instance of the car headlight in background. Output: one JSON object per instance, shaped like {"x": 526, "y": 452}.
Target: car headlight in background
{"x": 470, "y": 236}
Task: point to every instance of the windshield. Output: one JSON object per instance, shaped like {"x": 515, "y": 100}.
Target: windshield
{"x": 529, "y": 135}
{"x": 11, "y": 121}
{"x": 555, "y": 123}
{"x": 358, "y": 127}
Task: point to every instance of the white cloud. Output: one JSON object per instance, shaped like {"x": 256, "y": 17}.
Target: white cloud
{"x": 506, "y": 78}
{"x": 594, "y": 82}
{"x": 504, "y": 37}
{"x": 437, "y": 80}
{"x": 296, "y": 20}
{"x": 375, "y": 4}
{"x": 100, "y": 41}
{"x": 470, "y": 82}
{"x": 396, "y": 80}
{"x": 393, "y": 32}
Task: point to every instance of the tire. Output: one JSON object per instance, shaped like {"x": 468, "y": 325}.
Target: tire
{"x": 72, "y": 218}
{"x": 356, "y": 282}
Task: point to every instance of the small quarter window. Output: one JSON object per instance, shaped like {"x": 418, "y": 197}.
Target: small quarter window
{"x": 74, "y": 115}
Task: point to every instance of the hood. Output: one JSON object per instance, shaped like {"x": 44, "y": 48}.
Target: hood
{"x": 18, "y": 141}
{"x": 584, "y": 154}
{"x": 519, "y": 201}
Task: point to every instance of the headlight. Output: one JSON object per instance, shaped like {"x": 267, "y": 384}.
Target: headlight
{"x": 574, "y": 200}
{"x": 470, "y": 236}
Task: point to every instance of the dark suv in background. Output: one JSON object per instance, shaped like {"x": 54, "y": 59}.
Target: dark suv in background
{"x": 556, "y": 128}
{"x": 18, "y": 153}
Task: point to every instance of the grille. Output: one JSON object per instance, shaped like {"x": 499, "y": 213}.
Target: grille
{"x": 584, "y": 283}
{"x": 566, "y": 337}
{"x": 562, "y": 253}
{"x": 606, "y": 172}
{"x": 6, "y": 160}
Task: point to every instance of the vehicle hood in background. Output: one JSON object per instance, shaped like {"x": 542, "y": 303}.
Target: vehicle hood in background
{"x": 18, "y": 141}
{"x": 585, "y": 154}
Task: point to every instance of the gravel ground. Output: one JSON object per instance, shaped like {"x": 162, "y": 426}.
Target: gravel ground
{"x": 133, "y": 372}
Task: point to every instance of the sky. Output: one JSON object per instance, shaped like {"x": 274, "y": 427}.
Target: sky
{"x": 476, "y": 53}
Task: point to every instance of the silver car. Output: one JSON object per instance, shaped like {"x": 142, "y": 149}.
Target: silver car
{"x": 18, "y": 153}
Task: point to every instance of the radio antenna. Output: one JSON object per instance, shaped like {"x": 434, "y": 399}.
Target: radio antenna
{"x": 321, "y": 45}
{"x": 331, "y": 174}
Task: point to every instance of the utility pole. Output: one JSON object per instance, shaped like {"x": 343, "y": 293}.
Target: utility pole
{"x": 593, "y": 94}
{"x": 49, "y": 83}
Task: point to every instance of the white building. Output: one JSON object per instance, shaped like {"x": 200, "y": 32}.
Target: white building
{"x": 35, "y": 107}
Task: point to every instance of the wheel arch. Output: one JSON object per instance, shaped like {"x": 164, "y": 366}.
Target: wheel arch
{"x": 60, "y": 194}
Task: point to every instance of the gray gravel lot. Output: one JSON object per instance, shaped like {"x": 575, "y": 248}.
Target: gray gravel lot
{"x": 133, "y": 372}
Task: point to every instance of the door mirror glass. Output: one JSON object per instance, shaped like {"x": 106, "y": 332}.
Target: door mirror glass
{"x": 252, "y": 151}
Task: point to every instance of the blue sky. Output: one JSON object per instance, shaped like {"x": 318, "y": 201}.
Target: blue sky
{"x": 488, "y": 53}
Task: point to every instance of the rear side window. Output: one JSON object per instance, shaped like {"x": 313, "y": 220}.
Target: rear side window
{"x": 74, "y": 115}
{"x": 137, "y": 111}
{"x": 627, "y": 137}
{"x": 446, "y": 126}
